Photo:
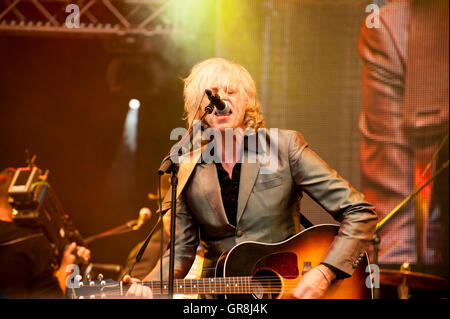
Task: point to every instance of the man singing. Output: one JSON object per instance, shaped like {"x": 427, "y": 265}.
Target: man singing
{"x": 234, "y": 199}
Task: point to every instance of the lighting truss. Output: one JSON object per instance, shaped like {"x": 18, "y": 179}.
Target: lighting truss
{"x": 96, "y": 17}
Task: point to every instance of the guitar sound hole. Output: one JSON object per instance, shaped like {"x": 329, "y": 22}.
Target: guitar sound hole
{"x": 266, "y": 284}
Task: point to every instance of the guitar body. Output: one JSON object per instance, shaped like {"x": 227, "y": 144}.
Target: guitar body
{"x": 278, "y": 268}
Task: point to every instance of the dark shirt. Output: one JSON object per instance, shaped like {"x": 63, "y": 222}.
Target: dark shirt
{"x": 25, "y": 266}
{"x": 229, "y": 189}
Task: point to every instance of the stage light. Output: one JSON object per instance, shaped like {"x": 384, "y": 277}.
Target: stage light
{"x": 134, "y": 104}
{"x": 131, "y": 123}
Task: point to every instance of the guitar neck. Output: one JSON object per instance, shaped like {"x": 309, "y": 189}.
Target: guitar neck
{"x": 228, "y": 285}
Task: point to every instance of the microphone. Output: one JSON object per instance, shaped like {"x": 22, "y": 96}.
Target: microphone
{"x": 222, "y": 107}
{"x": 144, "y": 215}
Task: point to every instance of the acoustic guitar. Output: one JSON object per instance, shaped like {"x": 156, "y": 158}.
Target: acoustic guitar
{"x": 255, "y": 270}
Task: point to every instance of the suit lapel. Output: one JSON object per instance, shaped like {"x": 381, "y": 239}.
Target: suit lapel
{"x": 210, "y": 186}
{"x": 185, "y": 170}
{"x": 249, "y": 172}
{"x": 183, "y": 175}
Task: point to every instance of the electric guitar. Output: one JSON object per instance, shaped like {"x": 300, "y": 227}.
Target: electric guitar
{"x": 256, "y": 270}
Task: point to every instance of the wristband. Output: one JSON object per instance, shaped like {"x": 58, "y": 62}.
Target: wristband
{"x": 323, "y": 273}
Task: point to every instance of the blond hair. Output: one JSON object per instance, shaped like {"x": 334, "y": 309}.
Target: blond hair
{"x": 221, "y": 72}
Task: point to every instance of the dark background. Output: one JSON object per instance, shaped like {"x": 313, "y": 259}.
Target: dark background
{"x": 56, "y": 102}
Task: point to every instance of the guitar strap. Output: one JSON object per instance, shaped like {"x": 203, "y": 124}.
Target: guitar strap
{"x": 305, "y": 222}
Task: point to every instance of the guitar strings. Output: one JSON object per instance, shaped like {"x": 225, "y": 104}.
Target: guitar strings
{"x": 217, "y": 285}
{"x": 206, "y": 281}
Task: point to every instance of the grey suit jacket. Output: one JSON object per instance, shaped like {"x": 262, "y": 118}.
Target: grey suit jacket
{"x": 267, "y": 205}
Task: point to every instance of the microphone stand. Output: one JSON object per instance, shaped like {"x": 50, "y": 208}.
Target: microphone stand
{"x": 125, "y": 228}
{"x": 174, "y": 183}
{"x": 169, "y": 166}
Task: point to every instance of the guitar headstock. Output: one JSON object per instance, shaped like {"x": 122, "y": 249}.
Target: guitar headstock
{"x": 97, "y": 289}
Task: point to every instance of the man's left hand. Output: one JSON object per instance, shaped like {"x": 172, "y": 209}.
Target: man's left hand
{"x": 69, "y": 258}
{"x": 313, "y": 284}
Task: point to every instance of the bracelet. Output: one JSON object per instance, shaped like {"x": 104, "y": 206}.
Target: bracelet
{"x": 323, "y": 273}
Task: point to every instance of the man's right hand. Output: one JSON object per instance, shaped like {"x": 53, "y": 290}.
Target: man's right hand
{"x": 137, "y": 290}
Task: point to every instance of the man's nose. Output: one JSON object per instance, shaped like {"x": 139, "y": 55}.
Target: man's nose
{"x": 222, "y": 93}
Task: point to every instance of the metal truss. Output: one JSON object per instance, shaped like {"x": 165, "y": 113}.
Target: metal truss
{"x": 96, "y": 17}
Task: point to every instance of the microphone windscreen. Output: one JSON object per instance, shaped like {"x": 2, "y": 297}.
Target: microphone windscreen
{"x": 145, "y": 213}
{"x": 225, "y": 110}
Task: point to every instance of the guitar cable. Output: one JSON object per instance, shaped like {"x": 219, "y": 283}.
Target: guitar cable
{"x": 142, "y": 249}
{"x": 162, "y": 232}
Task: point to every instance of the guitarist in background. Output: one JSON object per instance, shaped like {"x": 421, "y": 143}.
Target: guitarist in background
{"x": 233, "y": 200}
{"x": 25, "y": 267}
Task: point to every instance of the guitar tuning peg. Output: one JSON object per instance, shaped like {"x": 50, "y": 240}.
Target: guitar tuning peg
{"x": 88, "y": 277}
{"x": 102, "y": 283}
{"x": 100, "y": 277}
{"x": 91, "y": 283}
{"x": 78, "y": 278}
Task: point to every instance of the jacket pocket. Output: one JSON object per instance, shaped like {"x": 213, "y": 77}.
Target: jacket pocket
{"x": 268, "y": 184}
